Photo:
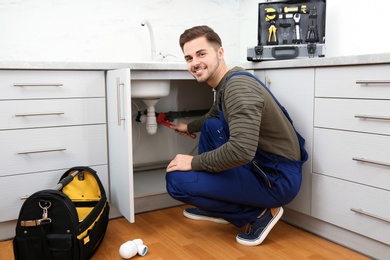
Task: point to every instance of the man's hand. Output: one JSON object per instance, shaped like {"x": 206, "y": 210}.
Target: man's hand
{"x": 180, "y": 128}
{"x": 181, "y": 162}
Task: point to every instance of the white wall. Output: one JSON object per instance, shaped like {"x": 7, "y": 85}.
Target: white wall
{"x": 110, "y": 30}
{"x": 357, "y": 27}
{"x": 107, "y": 30}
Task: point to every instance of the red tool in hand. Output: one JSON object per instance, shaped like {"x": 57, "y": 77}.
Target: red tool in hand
{"x": 161, "y": 120}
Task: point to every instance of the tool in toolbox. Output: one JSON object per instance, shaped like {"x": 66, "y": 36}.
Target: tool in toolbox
{"x": 312, "y": 30}
{"x": 270, "y": 17}
{"x": 161, "y": 119}
{"x": 289, "y": 29}
{"x": 272, "y": 38}
{"x": 270, "y": 14}
{"x": 295, "y": 9}
{"x": 298, "y": 38}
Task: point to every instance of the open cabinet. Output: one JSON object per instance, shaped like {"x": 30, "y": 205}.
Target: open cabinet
{"x": 137, "y": 160}
{"x": 120, "y": 157}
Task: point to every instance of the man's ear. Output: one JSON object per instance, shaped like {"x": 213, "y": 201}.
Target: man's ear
{"x": 221, "y": 53}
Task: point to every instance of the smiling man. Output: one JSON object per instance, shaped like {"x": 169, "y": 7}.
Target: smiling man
{"x": 250, "y": 157}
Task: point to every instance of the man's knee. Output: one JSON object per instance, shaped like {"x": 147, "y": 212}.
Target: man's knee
{"x": 179, "y": 184}
{"x": 174, "y": 188}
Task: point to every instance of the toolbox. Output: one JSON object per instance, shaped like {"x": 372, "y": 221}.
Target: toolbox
{"x": 289, "y": 29}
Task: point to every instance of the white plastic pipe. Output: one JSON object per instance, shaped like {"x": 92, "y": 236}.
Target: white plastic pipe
{"x": 151, "y": 121}
{"x": 132, "y": 247}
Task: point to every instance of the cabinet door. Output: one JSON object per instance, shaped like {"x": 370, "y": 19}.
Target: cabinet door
{"x": 120, "y": 142}
{"x": 294, "y": 88}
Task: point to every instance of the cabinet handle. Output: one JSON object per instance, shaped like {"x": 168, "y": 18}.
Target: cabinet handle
{"x": 119, "y": 102}
{"x": 38, "y": 84}
{"x": 40, "y": 114}
{"x": 360, "y": 211}
{"x": 372, "y": 82}
{"x": 43, "y": 150}
{"x": 373, "y": 117}
{"x": 371, "y": 161}
{"x": 267, "y": 81}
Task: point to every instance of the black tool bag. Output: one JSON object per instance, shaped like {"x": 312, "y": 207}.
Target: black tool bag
{"x": 289, "y": 29}
{"x": 68, "y": 222}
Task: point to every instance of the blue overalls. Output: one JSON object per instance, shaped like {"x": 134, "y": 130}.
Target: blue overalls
{"x": 240, "y": 194}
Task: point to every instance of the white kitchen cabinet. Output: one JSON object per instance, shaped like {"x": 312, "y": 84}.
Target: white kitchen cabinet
{"x": 294, "y": 88}
{"x": 343, "y": 112}
{"x": 137, "y": 160}
{"x": 50, "y": 121}
{"x": 351, "y": 163}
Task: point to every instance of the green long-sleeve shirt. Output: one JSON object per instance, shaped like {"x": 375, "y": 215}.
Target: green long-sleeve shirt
{"x": 255, "y": 121}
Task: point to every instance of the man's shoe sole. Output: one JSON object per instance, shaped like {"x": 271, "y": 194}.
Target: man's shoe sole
{"x": 198, "y": 217}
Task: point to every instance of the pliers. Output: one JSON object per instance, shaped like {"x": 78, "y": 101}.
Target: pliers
{"x": 161, "y": 120}
{"x": 272, "y": 32}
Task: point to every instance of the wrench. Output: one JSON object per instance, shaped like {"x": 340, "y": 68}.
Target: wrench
{"x": 161, "y": 120}
{"x": 297, "y": 18}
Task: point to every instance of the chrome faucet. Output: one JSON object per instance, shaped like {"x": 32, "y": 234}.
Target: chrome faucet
{"x": 152, "y": 41}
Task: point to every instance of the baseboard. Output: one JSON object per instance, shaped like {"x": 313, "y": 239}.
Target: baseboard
{"x": 154, "y": 202}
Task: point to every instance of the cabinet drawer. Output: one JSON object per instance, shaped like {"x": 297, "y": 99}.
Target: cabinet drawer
{"x": 13, "y": 188}
{"x": 16, "y": 114}
{"x": 371, "y": 81}
{"x": 371, "y": 116}
{"x": 335, "y": 200}
{"x": 23, "y": 84}
{"x": 334, "y": 150}
{"x": 44, "y": 149}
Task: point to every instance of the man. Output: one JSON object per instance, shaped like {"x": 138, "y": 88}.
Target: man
{"x": 250, "y": 157}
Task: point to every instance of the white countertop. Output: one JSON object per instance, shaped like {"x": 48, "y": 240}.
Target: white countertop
{"x": 148, "y": 65}
{"x": 321, "y": 62}
{"x": 181, "y": 66}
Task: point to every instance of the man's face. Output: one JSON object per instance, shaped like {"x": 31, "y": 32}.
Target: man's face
{"x": 202, "y": 59}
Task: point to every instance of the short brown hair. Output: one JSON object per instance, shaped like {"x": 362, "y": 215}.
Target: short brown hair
{"x": 200, "y": 31}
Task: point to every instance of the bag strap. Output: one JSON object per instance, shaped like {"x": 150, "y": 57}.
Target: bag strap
{"x": 44, "y": 227}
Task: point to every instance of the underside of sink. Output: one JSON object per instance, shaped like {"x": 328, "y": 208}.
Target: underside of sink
{"x": 150, "y": 89}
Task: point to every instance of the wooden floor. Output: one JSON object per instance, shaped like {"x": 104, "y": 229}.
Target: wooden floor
{"x": 169, "y": 235}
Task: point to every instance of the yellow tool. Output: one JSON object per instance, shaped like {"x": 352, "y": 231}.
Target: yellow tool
{"x": 270, "y": 14}
{"x": 295, "y": 9}
{"x": 272, "y": 32}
